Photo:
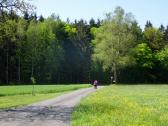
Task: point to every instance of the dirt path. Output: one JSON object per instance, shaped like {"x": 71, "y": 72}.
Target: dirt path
{"x": 53, "y": 112}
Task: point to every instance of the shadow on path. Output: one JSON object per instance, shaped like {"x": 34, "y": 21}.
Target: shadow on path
{"x": 33, "y": 113}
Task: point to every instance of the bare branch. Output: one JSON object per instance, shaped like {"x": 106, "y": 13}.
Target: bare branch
{"x": 17, "y": 5}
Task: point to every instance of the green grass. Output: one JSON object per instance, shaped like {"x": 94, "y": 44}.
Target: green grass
{"x": 130, "y": 105}
{"x": 40, "y": 89}
{"x": 13, "y": 96}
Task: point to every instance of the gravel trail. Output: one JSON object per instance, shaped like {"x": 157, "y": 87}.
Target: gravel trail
{"x": 52, "y": 112}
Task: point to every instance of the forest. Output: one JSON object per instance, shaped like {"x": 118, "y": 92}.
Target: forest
{"x": 53, "y": 51}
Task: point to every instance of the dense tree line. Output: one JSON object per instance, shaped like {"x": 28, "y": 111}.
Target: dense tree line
{"x": 54, "y": 51}
{"x": 49, "y": 50}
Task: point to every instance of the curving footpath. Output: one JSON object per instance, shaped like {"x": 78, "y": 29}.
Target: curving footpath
{"x": 53, "y": 112}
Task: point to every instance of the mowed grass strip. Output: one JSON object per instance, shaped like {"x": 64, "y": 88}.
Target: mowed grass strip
{"x": 13, "y": 96}
{"x": 40, "y": 89}
{"x": 119, "y": 105}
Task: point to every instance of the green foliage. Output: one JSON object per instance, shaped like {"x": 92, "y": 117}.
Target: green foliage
{"x": 123, "y": 106}
{"x": 8, "y": 30}
{"x": 148, "y": 25}
{"x": 70, "y": 29}
{"x": 162, "y": 56}
{"x": 44, "y": 47}
{"x": 143, "y": 56}
{"x": 154, "y": 38}
{"x": 54, "y": 51}
{"x": 113, "y": 41}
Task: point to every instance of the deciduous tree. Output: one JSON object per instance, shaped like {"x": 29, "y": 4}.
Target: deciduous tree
{"x": 113, "y": 41}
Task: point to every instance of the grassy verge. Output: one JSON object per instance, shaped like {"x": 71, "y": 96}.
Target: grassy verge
{"x": 12, "y": 96}
{"x": 142, "y": 105}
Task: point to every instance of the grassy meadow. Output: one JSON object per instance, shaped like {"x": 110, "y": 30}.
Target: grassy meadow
{"x": 12, "y": 96}
{"x": 129, "y": 105}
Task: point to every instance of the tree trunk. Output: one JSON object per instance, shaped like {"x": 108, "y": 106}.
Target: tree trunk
{"x": 19, "y": 70}
{"x": 32, "y": 69}
{"x": 33, "y": 91}
{"x": 32, "y": 77}
{"x": 115, "y": 73}
{"x": 7, "y": 67}
{"x": 19, "y": 59}
{"x": 58, "y": 78}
